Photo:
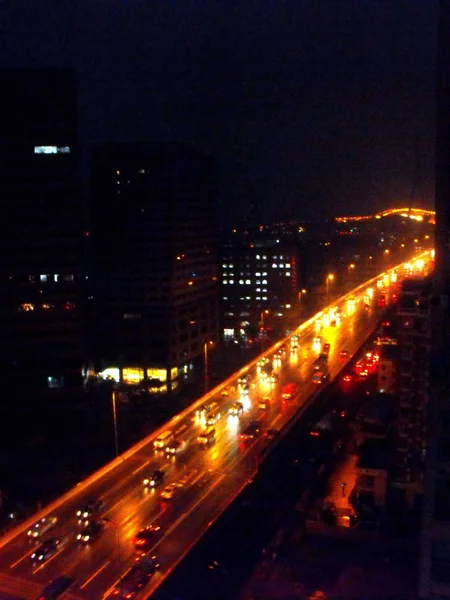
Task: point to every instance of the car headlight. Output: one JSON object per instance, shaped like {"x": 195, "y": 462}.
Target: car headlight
{"x": 79, "y": 536}
{"x": 146, "y": 482}
{"x": 41, "y": 556}
{"x": 152, "y": 482}
{"x": 79, "y": 513}
{"x": 33, "y": 555}
{"x": 29, "y": 532}
{"x": 85, "y": 514}
{"x": 86, "y": 538}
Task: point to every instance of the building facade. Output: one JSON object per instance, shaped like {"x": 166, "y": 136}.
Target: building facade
{"x": 154, "y": 300}
{"x": 260, "y": 288}
{"x": 41, "y": 277}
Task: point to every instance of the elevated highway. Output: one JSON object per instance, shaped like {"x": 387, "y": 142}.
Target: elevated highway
{"x": 208, "y": 477}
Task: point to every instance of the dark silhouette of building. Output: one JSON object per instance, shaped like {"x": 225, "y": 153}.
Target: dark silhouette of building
{"x": 154, "y": 292}
{"x": 40, "y": 277}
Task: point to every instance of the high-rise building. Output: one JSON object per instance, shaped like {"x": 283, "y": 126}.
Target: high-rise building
{"x": 259, "y": 287}
{"x": 154, "y": 294}
{"x": 40, "y": 276}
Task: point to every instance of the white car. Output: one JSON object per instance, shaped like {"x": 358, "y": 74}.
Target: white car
{"x": 41, "y": 527}
{"x": 169, "y": 492}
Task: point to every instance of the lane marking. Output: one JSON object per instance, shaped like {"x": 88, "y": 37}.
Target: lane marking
{"x": 141, "y": 467}
{"x": 97, "y": 572}
{"x": 19, "y": 560}
{"x": 193, "y": 507}
{"x": 46, "y": 562}
{"x": 111, "y": 588}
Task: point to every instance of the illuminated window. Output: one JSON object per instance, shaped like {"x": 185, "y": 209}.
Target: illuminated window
{"x": 287, "y": 265}
{"x": 258, "y": 297}
{"x": 69, "y": 277}
{"x": 56, "y": 277}
{"x": 264, "y": 281}
{"x": 43, "y": 277}
{"x": 225, "y": 281}
{"x": 265, "y": 274}
{"x": 258, "y": 282}
{"x": 274, "y": 266}
{"x": 258, "y": 289}
{"x": 288, "y": 306}
{"x": 248, "y": 297}
{"x": 264, "y": 257}
{"x": 231, "y": 281}
{"x": 264, "y": 297}
{"x": 160, "y": 374}
{"x": 247, "y": 282}
{"x": 27, "y": 307}
{"x": 258, "y": 257}
{"x": 131, "y": 375}
{"x": 46, "y": 306}
{"x": 224, "y": 266}
{"x": 287, "y": 274}
{"x": 258, "y": 274}
{"x": 241, "y": 282}
{"x": 281, "y": 266}
{"x": 51, "y": 150}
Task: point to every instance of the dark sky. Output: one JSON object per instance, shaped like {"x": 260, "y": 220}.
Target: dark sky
{"x": 308, "y": 105}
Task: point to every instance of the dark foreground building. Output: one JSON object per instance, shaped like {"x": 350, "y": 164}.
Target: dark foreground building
{"x": 40, "y": 245}
{"x": 154, "y": 299}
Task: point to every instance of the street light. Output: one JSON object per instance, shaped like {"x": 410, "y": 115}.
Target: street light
{"x": 119, "y": 558}
{"x": 263, "y": 312}
{"x": 116, "y": 437}
{"x": 330, "y": 277}
{"x": 205, "y": 355}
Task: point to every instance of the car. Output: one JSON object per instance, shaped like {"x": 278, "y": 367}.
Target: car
{"x": 155, "y": 479}
{"x": 170, "y": 490}
{"x": 56, "y": 588}
{"x": 133, "y": 581}
{"x": 274, "y": 377}
{"x": 226, "y": 391}
{"x": 41, "y": 527}
{"x": 326, "y": 348}
{"x": 271, "y": 433}
{"x": 90, "y": 532}
{"x": 236, "y": 409}
{"x": 252, "y": 430}
{"x": 264, "y": 404}
{"x": 348, "y": 378}
{"x": 46, "y": 550}
{"x": 92, "y": 508}
{"x": 343, "y": 355}
{"x": 207, "y": 437}
{"x": 146, "y": 538}
{"x": 176, "y": 447}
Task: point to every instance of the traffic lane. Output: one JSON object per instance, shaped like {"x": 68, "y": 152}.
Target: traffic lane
{"x": 119, "y": 480}
{"x": 182, "y": 507}
{"x": 181, "y": 539}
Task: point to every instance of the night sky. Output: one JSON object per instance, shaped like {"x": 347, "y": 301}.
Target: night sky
{"x": 310, "y": 106}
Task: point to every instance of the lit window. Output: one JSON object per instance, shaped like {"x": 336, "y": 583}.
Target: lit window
{"x": 265, "y": 274}
{"x": 43, "y": 277}
{"x": 287, "y": 265}
{"x": 56, "y": 277}
{"x": 281, "y": 257}
{"x": 288, "y": 306}
{"x": 264, "y": 289}
{"x": 248, "y": 297}
{"x": 264, "y": 297}
{"x": 287, "y": 274}
{"x": 258, "y": 257}
{"x": 258, "y": 289}
{"x": 258, "y": 297}
{"x": 281, "y": 266}
{"x": 225, "y": 281}
{"x": 241, "y": 282}
{"x": 231, "y": 266}
{"x": 247, "y": 282}
{"x": 276, "y": 257}
{"x": 224, "y": 266}
{"x": 264, "y": 281}
{"x": 258, "y": 274}
{"x": 69, "y": 277}
{"x": 274, "y": 266}
{"x": 27, "y": 307}
{"x": 225, "y": 297}
{"x": 264, "y": 257}
{"x": 258, "y": 282}
{"x": 51, "y": 150}
{"x": 231, "y": 281}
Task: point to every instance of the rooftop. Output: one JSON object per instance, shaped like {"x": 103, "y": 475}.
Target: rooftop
{"x": 374, "y": 454}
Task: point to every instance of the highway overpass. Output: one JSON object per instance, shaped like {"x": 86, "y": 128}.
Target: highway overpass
{"x": 209, "y": 477}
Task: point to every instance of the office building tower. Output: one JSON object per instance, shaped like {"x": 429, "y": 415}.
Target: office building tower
{"x": 40, "y": 312}
{"x": 154, "y": 282}
{"x": 259, "y": 287}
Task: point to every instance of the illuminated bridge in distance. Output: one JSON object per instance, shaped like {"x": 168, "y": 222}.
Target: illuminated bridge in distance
{"x": 203, "y": 480}
{"x": 416, "y": 214}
